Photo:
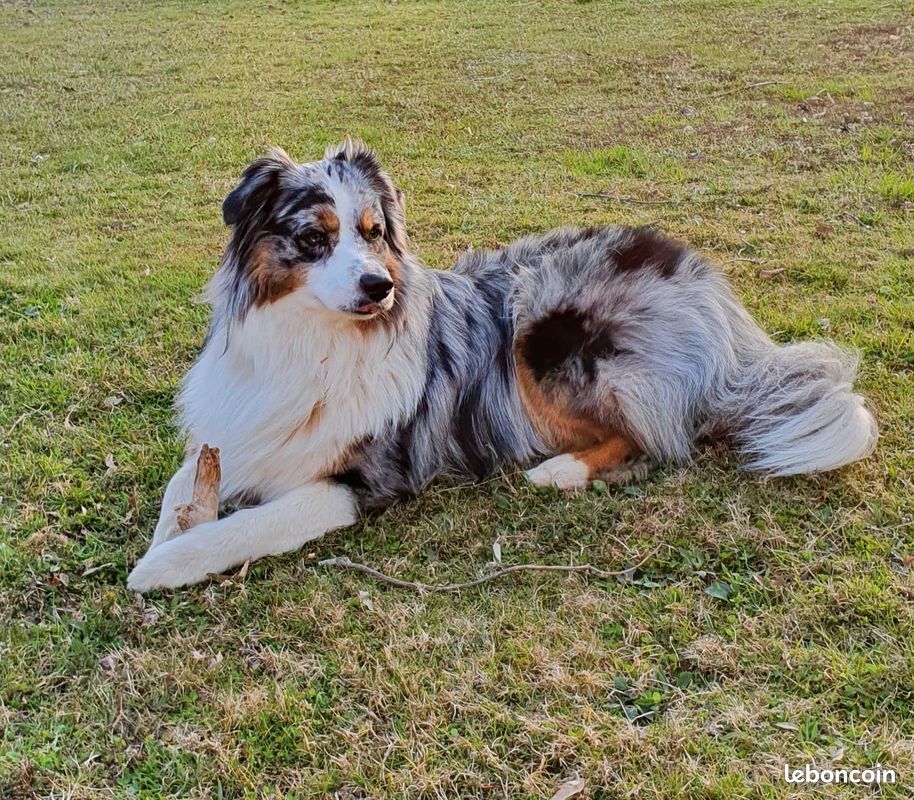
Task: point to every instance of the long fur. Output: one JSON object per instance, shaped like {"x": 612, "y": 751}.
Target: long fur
{"x": 794, "y": 409}
{"x": 615, "y": 339}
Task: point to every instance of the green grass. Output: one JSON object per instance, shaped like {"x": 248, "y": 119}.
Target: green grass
{"x": 775, "y": 621}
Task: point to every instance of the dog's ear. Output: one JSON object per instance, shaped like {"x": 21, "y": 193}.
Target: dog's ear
{"x": 393, "y": 203}
{"x": 395, "y": 218}
{"x": 258, "y": 186}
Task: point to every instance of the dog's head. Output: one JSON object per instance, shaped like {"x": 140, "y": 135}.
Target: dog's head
{"x": 325, "y": 235}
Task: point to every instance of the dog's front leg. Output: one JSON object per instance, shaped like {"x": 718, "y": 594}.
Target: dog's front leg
{"x": 276, "y": 527}
{"x": 180, "y": 490}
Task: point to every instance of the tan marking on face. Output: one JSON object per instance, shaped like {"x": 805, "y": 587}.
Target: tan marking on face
{"x": 367, "y": 220}
{"x": 270, "y": 279}
{"x": 325, "y": 217}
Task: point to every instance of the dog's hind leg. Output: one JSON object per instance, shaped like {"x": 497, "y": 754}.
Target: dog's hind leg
{"x": 617, "y": 460}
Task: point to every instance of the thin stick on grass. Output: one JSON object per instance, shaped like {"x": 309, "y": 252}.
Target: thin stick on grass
{"x": 417, "y": 586}
{"x": 630, "y": 200}
{"x": 745, "y": 87}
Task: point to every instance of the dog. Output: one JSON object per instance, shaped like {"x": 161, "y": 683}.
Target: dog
{"x": 340, "y": 375}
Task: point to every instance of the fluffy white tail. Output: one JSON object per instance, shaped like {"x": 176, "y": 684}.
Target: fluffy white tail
{"x": 793, "y": 410}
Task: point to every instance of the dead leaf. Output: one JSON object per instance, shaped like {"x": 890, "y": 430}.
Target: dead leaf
{"x": 107, "y": 663}
{"x": 109, "y": 463}
{"x": 112, "y": 401}
{"x": 366, "y": 600}
{"x": 569, "y": 789}
{"x": 823, "y": 231}
{"x": 60, "y": 579}
{"x": 151, "y": 617}
{"x": 770, "y": 273}
{"x": 496, "y": 551}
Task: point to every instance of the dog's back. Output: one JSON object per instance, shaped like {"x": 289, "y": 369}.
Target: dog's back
{"x": 626, "y": 331}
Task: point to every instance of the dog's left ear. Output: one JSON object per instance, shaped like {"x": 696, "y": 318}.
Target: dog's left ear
{"x": 393, "y": 203}
{"x": 258, "y": 186}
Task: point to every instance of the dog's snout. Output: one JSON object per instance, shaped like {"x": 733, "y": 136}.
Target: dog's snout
{"x": 376, "y": 287}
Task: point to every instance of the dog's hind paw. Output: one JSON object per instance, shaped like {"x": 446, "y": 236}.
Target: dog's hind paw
{"x": 631, "y": 471}
{"x": 563, "y": 472}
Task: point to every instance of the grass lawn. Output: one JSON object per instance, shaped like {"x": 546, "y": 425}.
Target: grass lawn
{"x": 774, "y": 623}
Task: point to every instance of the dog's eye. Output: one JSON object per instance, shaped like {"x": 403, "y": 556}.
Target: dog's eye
{"x": 314, "y": 238}
{"x": 375, "y": 233}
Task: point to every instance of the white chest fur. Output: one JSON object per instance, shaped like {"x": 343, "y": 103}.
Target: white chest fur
{"x": 293, "y": 390}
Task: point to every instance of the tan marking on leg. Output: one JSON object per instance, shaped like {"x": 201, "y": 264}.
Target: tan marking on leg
{"x": 551, "y": 419}
{"x": 366, "y": 222}
{"x": 606, "y": 455}
{"x": 576, "y": 470}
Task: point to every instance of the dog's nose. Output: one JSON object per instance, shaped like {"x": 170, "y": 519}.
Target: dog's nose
{"x": 376, "y": 287}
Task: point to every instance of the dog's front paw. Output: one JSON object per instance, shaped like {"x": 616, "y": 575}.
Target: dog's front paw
{"x": 563, "y": 472}
{"x": 166, "y": 566}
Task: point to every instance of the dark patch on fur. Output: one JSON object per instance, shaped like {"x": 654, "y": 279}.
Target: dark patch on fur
{"x": 445, "y": 362}
{"x": 307, "y": 198}
{"x": 552, "y": 341}
{"x": 258, "y": 186}
{"x": 352, "y": 478}
{"x": 648, "y": 248}
{"x": 566, "y": 339}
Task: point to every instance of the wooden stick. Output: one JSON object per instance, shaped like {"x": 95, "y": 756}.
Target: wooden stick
{"x": 205, "y": 504}
{"x": 590, "y": 569}
{"x": 631, "y": 200}
{"x": 745, "y": 87}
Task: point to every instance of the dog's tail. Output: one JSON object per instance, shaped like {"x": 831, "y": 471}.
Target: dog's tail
{"x": 792, "y": 408}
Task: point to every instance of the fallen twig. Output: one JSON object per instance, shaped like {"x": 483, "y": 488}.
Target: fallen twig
{"x": 590, "y": 569}
{"x": 631, "y": 200}
{"x": 205, "y": 504}
{"x": 745, "y": 87}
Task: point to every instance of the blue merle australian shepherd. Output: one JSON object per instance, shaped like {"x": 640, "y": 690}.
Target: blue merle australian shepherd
{"x": 340, "y": 375}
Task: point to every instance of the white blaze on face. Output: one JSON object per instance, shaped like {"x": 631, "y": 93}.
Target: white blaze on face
{"x": 334, "y": 281}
